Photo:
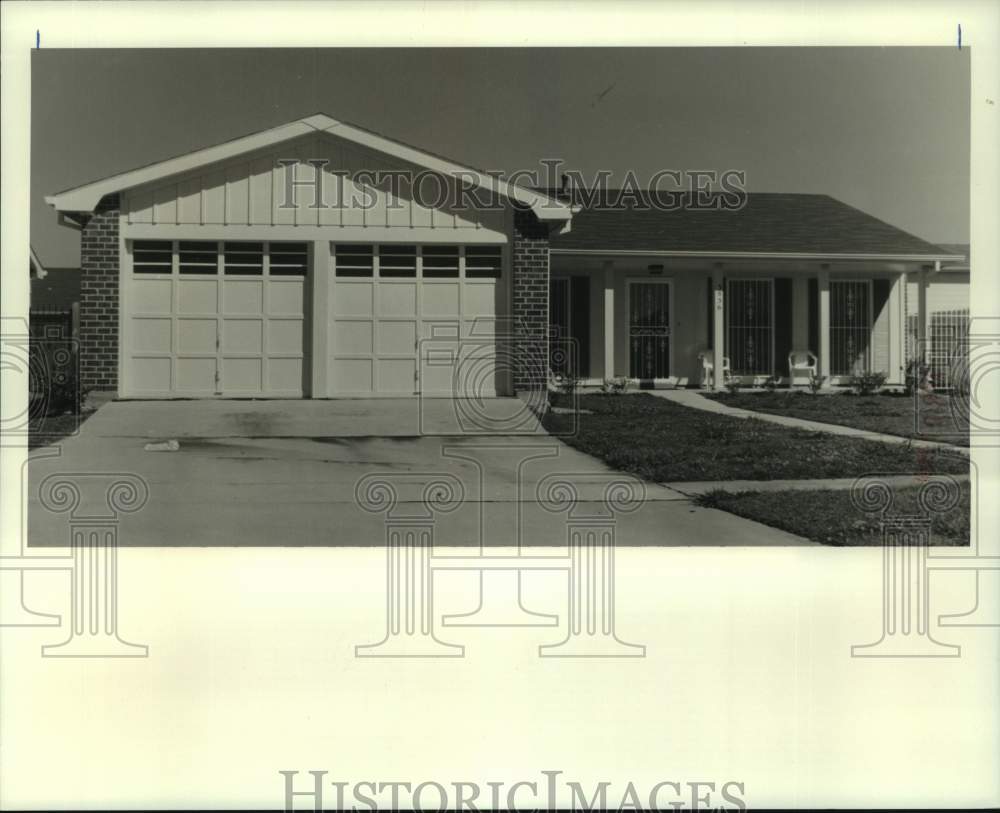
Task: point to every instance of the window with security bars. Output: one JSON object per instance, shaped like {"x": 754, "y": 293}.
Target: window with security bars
{"x": 750, "y": 326}
{"x": 850, "y": 326}
{"x": 198, "y": 257}
{"x": 397, "y": 261}
{"x": 152, "y": 256}
{"x": 352, "y": 260}
{"x": 439, "y": 262}
{"x": 243, "y": 258}
{"x": 288, "y": 259}
{"x": 483, "y": 262}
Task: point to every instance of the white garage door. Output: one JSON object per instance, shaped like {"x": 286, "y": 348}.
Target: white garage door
{"x": 418, "y": 319}
{"x": 213, "y": 318}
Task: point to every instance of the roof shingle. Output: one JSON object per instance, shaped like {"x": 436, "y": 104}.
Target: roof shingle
{"x": 768, "y": 223}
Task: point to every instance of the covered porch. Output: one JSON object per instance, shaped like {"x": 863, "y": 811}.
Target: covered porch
{"x": 671, "y": 319}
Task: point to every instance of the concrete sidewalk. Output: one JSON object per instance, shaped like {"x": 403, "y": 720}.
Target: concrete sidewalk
{"x": 693, "y": 489}
{"x": 695, "y": 400}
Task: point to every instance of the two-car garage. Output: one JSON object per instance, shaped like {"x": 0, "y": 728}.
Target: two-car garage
{"x": 234, "y": 318}
{"x": 315, "y": 259}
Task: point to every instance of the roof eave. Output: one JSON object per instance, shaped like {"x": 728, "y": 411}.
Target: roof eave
{"x": 84, "y": 199}
{"x": 761, "y": 255}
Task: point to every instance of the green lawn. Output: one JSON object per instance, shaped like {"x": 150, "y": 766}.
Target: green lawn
{"x": 664, "y": 442}
{"x": 830, "y": 517}
{"x": 932, "y": 417}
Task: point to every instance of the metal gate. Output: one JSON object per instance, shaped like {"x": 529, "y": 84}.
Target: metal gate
{"x": 948, "y": 346}
{"x": 750, "y": 326}
{"x": 649, "y": 329}
{"x": 850, "y": 326}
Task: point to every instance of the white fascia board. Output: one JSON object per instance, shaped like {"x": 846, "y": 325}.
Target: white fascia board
{"x": 85, "y": 198}
{"x": 757, "y": 255}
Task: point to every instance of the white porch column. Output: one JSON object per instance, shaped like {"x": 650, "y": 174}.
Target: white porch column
{"x": 319, "y": 286}
{"x": 922, "y": 311}
{"x": 718, "y": 329}
{"x": 823, "y": 279}
{"x": 897, "y": 330}
{"x": 609, "y": 319}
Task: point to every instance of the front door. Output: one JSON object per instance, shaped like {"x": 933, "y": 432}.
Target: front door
{"x": 649, "y": 329}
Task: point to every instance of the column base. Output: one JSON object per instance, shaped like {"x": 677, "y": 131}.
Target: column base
{"x": 985, "y": 610}
{"x": 500, "y": 605}
{"x": 403, "y": 645}
{"x": 592, "y": 646}
{"x": 95, "y": 646}
{"x": 906, "y": 646}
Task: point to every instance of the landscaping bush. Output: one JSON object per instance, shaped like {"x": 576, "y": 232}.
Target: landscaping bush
{"x": 816, "y": 383}
{"x": 615, "y": 386}
{"x": 867, "y": 383}
{"x": 918, "y": 376}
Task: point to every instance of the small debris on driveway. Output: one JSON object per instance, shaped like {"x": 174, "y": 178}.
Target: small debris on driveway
{"x": 162, "y": 446}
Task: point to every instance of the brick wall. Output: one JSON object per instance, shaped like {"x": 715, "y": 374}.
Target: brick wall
{"x": 531, "y": 300}
{"x": 99, "y": 298}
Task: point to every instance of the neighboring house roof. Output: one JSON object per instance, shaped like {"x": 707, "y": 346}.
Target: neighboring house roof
{"x": 35, "y": 268}
{"x": 770, "y": 224}
{"x": 957, "y": 248}
{"x": 85, "y": 198}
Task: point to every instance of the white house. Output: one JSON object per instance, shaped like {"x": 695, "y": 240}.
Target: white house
{"x": 319, "y": 259}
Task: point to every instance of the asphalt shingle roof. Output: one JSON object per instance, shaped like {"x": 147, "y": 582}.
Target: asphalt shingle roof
{"x": 768, "y": 223}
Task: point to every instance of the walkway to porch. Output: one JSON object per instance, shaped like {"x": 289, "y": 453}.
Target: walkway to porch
{"x": 694, "y": 399}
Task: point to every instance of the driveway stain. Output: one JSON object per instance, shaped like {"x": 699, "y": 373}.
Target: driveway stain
{"x": 253, "y": 423}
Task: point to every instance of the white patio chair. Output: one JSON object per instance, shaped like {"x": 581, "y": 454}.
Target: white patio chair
{"x": 801, "y": 367}
{"x": 708, "y": 369}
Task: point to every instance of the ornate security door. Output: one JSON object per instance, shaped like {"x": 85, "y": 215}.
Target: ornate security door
{"x": 649, "y": 329}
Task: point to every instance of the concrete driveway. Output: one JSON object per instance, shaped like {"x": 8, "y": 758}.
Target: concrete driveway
{"x": 279, "y": 473}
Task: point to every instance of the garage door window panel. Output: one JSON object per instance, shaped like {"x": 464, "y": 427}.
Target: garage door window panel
{"x": 152, "y": 257}
{"x": 244, "y": 258}
{"x": 354, "y": 260}
{"x": 198, "y": 257}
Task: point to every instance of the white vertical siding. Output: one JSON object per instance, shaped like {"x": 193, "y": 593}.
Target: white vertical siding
{"x": 249, "y": 191}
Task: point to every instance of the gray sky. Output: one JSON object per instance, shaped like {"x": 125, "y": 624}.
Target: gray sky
{"x": 883, "y": 129}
